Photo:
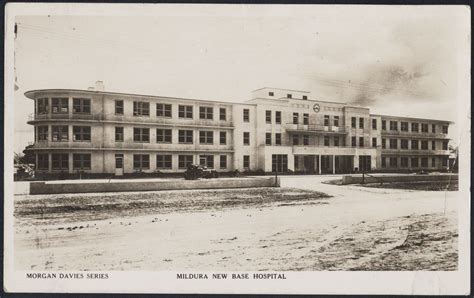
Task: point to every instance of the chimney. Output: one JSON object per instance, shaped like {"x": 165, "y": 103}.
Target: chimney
{"x": 99, "y": 86}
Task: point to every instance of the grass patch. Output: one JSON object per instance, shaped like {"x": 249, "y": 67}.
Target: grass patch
{"x": 419, "y": 185}
{"x": 82, "y": 207}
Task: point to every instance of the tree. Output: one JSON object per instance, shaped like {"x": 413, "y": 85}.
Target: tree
{"x": 28, "y": 156}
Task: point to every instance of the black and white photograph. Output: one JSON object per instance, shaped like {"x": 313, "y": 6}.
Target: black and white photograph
{"x": 236, "y": 148}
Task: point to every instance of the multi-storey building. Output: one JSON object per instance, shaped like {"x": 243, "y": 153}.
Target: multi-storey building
{"x": 105, "y": 132}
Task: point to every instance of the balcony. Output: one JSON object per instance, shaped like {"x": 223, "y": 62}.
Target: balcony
{"x": 316, "y": 129}
{"x": 415, "y": 135}
{"x": 414, "y": 152}
{"x": 65, "y": 116}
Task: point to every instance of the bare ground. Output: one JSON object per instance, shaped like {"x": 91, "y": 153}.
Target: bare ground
{"x": 254, "y": 229}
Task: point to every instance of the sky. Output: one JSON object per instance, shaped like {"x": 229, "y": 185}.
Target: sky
{"x": 401, "y": 61}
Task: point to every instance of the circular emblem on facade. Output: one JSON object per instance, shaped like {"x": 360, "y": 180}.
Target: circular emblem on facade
{"x": 316, "y": 107}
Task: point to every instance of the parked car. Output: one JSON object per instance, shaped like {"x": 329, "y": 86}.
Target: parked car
{"x": 194, "y": 172}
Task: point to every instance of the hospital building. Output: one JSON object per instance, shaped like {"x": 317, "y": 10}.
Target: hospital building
{"x": 96, "y": 131}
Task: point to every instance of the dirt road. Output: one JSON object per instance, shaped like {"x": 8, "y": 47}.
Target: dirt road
{"x": 356, "y": 229}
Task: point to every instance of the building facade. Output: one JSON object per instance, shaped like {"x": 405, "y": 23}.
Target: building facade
{"x": 96, "y": 131}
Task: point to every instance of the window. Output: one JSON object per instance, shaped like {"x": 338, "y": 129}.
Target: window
{"x": 141, "y": 135}
{"x": 278, "y": 139}
{"x": 246, "y": 115}
{"x": 353, "y": 122}
{"x": 394, "y": 125}
{"x": 163, "y": 161}
{"x": 270, "y": 94}
{"x": 305, "y": 97}
{"x": 42, "y": 133}
{"x": 384, "y": 162}
{"x": 60, "y": 133}
{"x": 43, "y": 107}
{"x": 43, "y": 162}
{"x": 393, "y": 144}
{"x": 326, "y": 141}
{"x": 268, "y": 138}
{"x": 185, "y": 112}
{"x": 206, "y": 137}
{"x": 163, "y": 110}
{"x": 404, "y": 126}
{"x": 445, "y": 129}
{"x": 289, "y": 96}
{"x": 414, "y": 162}
{"x": 246, "y": 161}
{"x": 81, "y": 105}
{"x": 246, "y": 138}
{"x": 296, "y": 140}
{"x": 278, "y": 117}
{"x": 414, "y": 127}
{"x": 361, "y": 123}
{"x": 295, "y": 118}
{"x": 353, "y": 141}
{"x": 60, "y": 105}
{"x": 119, "y": 107}
{"x": 445, "y": 145}
{"x": 414, "y": 144}
{"x": 384, "y": 125}
{"x": 222, "y": 114}
{"x": 424, "y": 128}
{"x": 223, "y": 138}
{"x": 403, "y": 144}
{"x": 207, "y": 161}
{"x": 184, "y": 161}
{"x": 81, "y": 133}
{"x": 141, "y": 161}
{"x": 268, "y": 117}
{"x": 433, "y": 145}
{"x": 141, "y": 108}
{"x": 384, "y": 143}
{"x": 185, "y": 136}
{"x": 164, "y": 135}
{"x": 305, "y": 140}
{"x": 424, "y": 162}
{"x": 81, "y": 161}
{"x": 326, "y": 120}
{"x": 424, "y": 145}
{"x": 206, "y": 113}
{"x": 336, "y": 141}
{"x": 279, "y": 162}
{"x": 374, "y": 123}
{"x": 393, "y": 162}
{"x": 118, "y": 134}
{"x": 404, "y": 162}
{"x": 223, "y": 161}
{"x": 336, "y": 121}
{"x": 60, "y": 161}
{"x": 433, "y": 162}
{"x": 361, "y": 141}
{"x": 305, "y": 119}
{"x": 119, "y": 161}
{"x": 433, "y": 128}
{"x": 374, "y": 142}
{"x": 444, "y": 161}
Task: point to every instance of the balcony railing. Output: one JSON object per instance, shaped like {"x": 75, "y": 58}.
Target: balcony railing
{"x": 315, "y": 128}
{"x": 415, "y": 152}
{"x": 409, "y": 134}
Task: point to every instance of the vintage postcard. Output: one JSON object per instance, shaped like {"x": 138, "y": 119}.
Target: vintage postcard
{"x": 266, "y": 149}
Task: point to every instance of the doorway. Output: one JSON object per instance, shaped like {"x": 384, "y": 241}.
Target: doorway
{"x": 118, "y": 164}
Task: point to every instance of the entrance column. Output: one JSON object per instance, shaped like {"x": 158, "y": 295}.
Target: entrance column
{"x": 319, "y": 165}
{"x": 334, "y": 164}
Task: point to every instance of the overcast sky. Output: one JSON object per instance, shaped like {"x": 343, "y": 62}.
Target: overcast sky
{"x": 396, "y": 60}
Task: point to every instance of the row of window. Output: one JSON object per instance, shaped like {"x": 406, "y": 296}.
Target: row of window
{"x": 61, "y": 133}
{"x": 82, "y": 161}
{"x": 415, "y": 144}
{"x": 268, "y": 117}
{"x": 60, "y": 105}
{"x": 288, "y": 95}
{"x": 393, "y": 162}
{"x": 415, "y": 127}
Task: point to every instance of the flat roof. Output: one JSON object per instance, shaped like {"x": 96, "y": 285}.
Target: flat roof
{"x": 412, "y": 118}
{"x": 280, "y": 89}
{"x": 30, "y": 93}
